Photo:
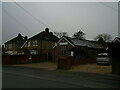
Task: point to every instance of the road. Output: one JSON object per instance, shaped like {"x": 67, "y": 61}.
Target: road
{"x": 18, "y": 77}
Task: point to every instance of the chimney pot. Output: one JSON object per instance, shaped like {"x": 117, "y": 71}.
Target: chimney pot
{"x": 19, "y": 35}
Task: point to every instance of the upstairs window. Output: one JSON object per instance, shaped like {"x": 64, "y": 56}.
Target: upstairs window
{"x": 25, "y": 45}
{"x": 6, "y": 46}
{"x": 9, "y": 46}
{"x": 29, "y": 44}
{"x": 35, "y": 43}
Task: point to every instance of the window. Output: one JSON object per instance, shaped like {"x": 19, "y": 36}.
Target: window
{"x": 80, "y": 55}
{"x": 29, "y": 44}
{"x": 64, "y": 51}
{"x": 33, "y": 52}
{"x": 25, "y": 45}
{"x": 71, "y": 53}
{"x": 35, "y": 43}
{"x": 6, "y": 46}
{"x": 9, "y": 46}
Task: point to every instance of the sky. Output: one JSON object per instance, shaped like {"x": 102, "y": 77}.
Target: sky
{"x": 30, "y": 18}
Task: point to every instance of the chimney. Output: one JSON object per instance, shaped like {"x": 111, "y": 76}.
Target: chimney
{"x": 26, "y": 37}
{"x": 19, "y": 35}
{"x": 47, "y": 30}
{"x": 51, "y": 33}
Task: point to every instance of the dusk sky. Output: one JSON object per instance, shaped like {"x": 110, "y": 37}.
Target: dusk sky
{"x": 92, "y": 18}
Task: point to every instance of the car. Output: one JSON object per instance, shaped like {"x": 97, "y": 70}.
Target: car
{"x": 103, "y": 59}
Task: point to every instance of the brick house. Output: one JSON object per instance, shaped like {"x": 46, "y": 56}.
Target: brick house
{"x": 114, "y": 53}
{"x": 13, "y": 46}
{"x": 77, "y": 48}
{"x": 40, "y": 43}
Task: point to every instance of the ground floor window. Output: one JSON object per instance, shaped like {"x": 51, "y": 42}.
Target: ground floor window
{"x": 80, "y": 55}
{"x": 64, "y": 51}
{"x": 33, "y": 52}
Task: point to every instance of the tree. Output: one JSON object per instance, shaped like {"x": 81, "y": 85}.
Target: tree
{"x": 79, "y": 35}
{"x": 106, "y": 37}
{"x": 60, "y": 34}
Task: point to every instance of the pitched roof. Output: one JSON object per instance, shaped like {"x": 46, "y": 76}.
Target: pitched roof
{"x": 45, "y": 35}
{"x": 80, "y": 42}
{"x": 17, "y": 39}
{"x": 86, "y": 43}
{"x": 117, "y": 38}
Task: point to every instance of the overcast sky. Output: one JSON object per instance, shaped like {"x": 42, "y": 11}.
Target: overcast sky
{"x": 92, "y": 18}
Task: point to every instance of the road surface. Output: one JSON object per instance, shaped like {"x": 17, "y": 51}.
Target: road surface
{"x": 18, "y": 77}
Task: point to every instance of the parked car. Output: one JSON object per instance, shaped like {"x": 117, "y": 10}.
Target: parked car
{"x": 103, "y": 59}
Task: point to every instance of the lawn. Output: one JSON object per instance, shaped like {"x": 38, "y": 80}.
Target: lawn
{"x": 92, "y": 68}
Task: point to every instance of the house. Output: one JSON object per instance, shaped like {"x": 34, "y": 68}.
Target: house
{"x": 79, "y": 49}
{"x": 40, "y": 43}
{"x": 114, "y": 47}
{"x": 114, "y": 53}
{"x": 13, "y": 46}
{"x": 117, "y": 39}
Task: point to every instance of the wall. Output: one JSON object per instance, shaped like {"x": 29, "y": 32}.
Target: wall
{"x": 19, "y": 59}
{"x": 68, "y": 62}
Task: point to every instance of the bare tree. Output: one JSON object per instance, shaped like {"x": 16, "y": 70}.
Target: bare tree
{"x": 79, "y": 35}
{"x": 60, "y": 34}
{"x": 106, "y": 37}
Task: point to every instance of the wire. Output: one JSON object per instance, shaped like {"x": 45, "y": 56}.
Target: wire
{"x": 15, "y": 19}
{"x": 110, "y": 7}
{"x": 39, "y": 21}
{"x": 30, "y": 14}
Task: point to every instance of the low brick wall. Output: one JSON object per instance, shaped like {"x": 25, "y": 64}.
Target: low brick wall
{"x": 19, "y": 59}
{"x": 82, "y": 61}
{"x": 68, "y": 62}
{"x": 64, "y": 63}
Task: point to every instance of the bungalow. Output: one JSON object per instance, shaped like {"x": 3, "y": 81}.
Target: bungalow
{"x": 13, "y": 46}
{"x": 79, "y": 49}
{"x": 40, "y": 43}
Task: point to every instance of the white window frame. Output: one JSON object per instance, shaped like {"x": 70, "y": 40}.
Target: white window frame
{"x": 29, "y": 43}
{"x": 9, "y": 46}
{"x": 35, "y": 43}
{"x": 33, "y": 52}
{"x": 64, "y": 51}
